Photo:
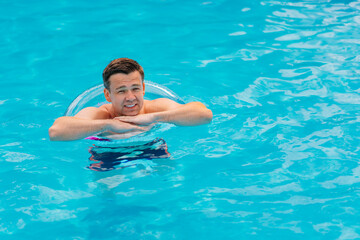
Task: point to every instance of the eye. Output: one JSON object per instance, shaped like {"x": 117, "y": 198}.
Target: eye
{"x": 121, "y": 91}
{"x": 136, "y": 89}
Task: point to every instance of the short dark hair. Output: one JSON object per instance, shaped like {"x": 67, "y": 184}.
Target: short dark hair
{"x": 121, "y": 65}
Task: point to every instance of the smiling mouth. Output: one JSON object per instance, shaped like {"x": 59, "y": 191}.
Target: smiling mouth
{"x": 130, "y": 105}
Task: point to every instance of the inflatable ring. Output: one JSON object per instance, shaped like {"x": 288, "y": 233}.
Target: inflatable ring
{"x": 91, "y": 97}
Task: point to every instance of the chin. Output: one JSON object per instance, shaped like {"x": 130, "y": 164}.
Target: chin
{"x": 132, "y": 113}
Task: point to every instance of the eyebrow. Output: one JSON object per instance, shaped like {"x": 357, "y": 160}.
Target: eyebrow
{"x": 134, "y": 85}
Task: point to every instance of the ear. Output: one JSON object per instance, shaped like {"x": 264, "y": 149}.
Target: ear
{"x": 143, "y": 83}
{"x": 107, "y": 95}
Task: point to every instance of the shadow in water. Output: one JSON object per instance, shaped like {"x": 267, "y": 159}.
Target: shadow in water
{"x": 110, "y": 158}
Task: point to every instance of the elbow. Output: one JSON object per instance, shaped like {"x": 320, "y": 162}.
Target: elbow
{"x": 208, "y": 116}
{"x": 61, "y": 130}
{"x": 57, "y": 131}
{"x": 53, "y": 134}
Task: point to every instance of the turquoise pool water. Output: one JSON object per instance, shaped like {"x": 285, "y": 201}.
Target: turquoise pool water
{"x": 279, "y": 161}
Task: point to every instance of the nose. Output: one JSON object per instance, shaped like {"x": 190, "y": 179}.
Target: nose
{"x": 130, "y": 96}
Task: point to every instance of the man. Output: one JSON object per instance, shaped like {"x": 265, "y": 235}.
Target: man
{"x": 128, "y": 113}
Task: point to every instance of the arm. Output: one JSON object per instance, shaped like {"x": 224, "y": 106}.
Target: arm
{"x": 87, "y": 122}
{"x": 190, "y": 114}
{"x": 168, "y": 111}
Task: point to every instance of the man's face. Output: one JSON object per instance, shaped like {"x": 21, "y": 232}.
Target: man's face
{"x": 126, "y": 93}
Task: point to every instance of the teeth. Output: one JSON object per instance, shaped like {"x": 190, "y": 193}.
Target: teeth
{"x": 129, "y": 106}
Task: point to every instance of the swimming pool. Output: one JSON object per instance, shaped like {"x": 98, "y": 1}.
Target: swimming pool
{"x": 279, "y": 160}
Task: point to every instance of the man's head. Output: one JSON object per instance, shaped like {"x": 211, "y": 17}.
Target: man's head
{"x": 121, "y": 65}
{"x": 124, "y": 86}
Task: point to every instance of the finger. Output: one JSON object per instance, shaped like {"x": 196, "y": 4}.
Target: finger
{"x": 121, "y": 118}
{"x": 134, "y": 126}
{"x": 124, "y": 119}
{"x": 150, "y": 126}
{"x": 141, "y": 129}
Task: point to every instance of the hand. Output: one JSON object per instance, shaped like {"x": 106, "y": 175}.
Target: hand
{"x": 125, "y": 133}
{"x": 118, "y": 126}
{"x": 142, "y": 119}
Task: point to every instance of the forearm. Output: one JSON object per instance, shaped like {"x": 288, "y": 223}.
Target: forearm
{"x": 190, "y": 114}
{"x": 70, "y": 128}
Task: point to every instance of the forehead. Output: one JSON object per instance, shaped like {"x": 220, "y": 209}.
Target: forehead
{"x": 121, "y": 79}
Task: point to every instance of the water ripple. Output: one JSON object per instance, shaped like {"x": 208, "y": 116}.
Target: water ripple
{"x": 280, "y": 159}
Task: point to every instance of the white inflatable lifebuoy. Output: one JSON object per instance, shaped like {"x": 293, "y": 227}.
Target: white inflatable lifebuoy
{"x": 91, "y": 97}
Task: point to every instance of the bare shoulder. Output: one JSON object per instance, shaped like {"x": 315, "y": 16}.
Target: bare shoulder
{"x": 160, "y": 105}
{"x": 102, "y": 112}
